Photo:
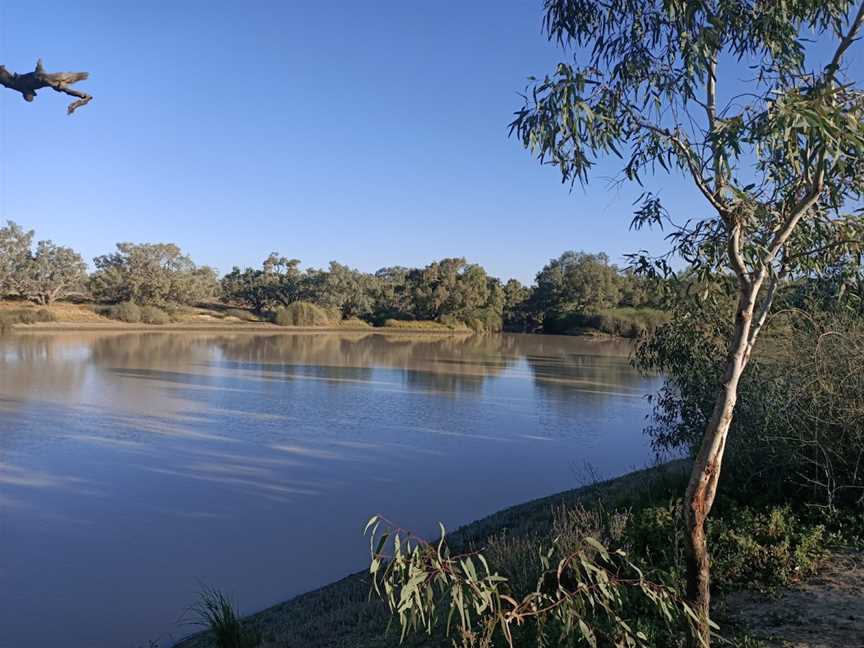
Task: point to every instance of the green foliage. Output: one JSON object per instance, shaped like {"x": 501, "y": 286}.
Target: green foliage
{"x": 125, "y": 312}
{"x": 216, "y": 612}
{"x": 152, "y": 274}
{"x": 354, "y": 323}
{"x": 154, "y": 315}
{"x": 242, "y": 315}
{"x": 44, "y": 275}
{"x": 302, "y": 314}
{"x": 15, "y": 245}
{"x": 584, "y": 592}
{"x": 751, "y": 547}
{"x": 576, "y": 282}
{"x": 799, "y": 427}
{"x": 623, "y": 322}
{"x": 772, "y": 547}
{"x": 425, "y": 325}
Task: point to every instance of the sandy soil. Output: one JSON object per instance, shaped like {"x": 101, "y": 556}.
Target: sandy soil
{"x": 825, "y": 611}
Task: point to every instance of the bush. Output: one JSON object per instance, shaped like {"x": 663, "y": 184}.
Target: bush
{"x": 772, "y": 548}
{"x": 354, "y": 323}
{"x": 424, "y": 325}
{"x": 761, "y": 548}
{"x": 34, "y": 317}
{"x": 302, "y": 314}
{"x": 798, "y": 429}
{"x": 24, "y": 316}
{"x": 623, "y": 322}
{"x": 125, "y": 312}
{"x": 154, "y": 315}
{"x": 242, "y": 315}
{"x": 485, "y": 321}
{"x": 176, "y": 311}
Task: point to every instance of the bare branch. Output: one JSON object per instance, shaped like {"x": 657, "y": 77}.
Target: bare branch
{"x": 27, "y": 84}
{"x": 845, "y": 43}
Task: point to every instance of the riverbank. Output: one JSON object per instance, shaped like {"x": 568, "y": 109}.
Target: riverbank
{"x": 342, "y": 613}
{"x": 26, "y": 317}
{"x": 768, "y": 558}
{"x": 218, "y": 327}
{"x": 65, "y": 316}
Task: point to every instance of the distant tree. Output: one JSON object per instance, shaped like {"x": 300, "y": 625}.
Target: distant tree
{"x": 15, "y": 245}
{"x": 52, "y": 272}
{"x": 454, "y": 289}
{"x": 349, "y": 291}
{"x": 279, "y": 282}
{"x": 150, "y": 273}
{"x": 245, "y": 287}
{"x": 390, "y": 294}
{"x": 778, "y": 157}
{"x": 283, "y": 278}
{"x": 577, "y": 282}
{"x": 515, "y": 309}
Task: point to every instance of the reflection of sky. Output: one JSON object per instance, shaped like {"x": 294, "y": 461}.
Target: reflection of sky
{"x": 133, "y": 465}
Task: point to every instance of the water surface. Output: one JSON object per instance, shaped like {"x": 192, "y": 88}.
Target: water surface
{"x": 135, "y": 466}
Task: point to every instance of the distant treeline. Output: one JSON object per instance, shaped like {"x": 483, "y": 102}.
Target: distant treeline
{"x": 576, "y": 290}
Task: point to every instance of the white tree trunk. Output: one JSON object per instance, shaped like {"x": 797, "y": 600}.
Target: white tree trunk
{"x": 705, "y": 474}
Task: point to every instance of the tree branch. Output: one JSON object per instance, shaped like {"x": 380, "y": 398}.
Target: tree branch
{"x": 845, "y": 43}
{"x": 698, "y": 179}
{"x": 27, "y": 84}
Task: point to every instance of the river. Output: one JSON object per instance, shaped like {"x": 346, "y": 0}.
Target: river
{"x": 135, "y": 467}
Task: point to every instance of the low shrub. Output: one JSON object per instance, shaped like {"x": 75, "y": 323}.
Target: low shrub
{"x": 24, "y": 316}
{"x": 425, "y": 325}
{"x": 622, "y": 322}
{"x": 302, "y": 314}
{"x": 125, "y": 312}
{"x": 242, "y": 315}
{"x": 154, "y": 315}
{"x": 354, "y": 323}
{"x": 176, "y": 311}
{"x": 764, "y": 548}
{"x": 770, "y": 548}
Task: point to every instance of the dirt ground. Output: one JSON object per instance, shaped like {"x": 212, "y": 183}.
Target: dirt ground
{"x": 825, "y": 611}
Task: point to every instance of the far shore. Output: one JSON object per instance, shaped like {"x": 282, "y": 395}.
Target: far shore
{"x": 247, "y": 327}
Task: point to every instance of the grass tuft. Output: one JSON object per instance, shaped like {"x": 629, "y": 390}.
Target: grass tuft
{"x": 217, "y": 612}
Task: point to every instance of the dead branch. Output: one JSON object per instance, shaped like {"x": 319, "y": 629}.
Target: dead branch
{"x": 28, "y": 84}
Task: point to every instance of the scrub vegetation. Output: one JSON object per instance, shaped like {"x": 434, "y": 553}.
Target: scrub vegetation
{"x": 159, "y": 284}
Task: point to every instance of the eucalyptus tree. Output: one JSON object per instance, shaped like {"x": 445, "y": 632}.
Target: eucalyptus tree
{"x": 50, "y": 273}
{"x": 15, "y": 244}
{"x": 577, "y": 281}
{"x": 151, "y": 273}
{"x": 340, "y": 287}
{"x": 514, "y": 310}
{"x": 751, "y": 101}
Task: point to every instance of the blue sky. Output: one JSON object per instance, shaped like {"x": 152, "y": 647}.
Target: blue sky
{"x": 372, "y": 133}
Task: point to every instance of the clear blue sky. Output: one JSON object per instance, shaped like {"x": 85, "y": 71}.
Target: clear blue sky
{"x": 372, "y": 133}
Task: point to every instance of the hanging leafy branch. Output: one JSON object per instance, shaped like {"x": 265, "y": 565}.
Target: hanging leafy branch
{"x": 27, "y": 84}
{"x": 594, "y": 596}
{"x": 778, "y": 158}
